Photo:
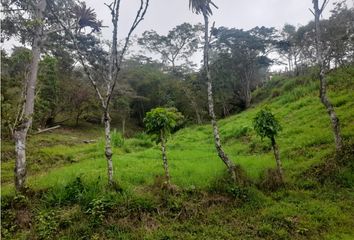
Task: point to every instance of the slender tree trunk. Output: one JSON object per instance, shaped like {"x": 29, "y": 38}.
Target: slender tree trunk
{"x": 164, "y": 158}
{"x": 230, "y": 165}
{"x": 289, "y": 63}
{"x": 123, "y": 127}
{"x": 21, "y": 130}
{"x": 323, "y": 85}
{"x": 248, "y": 91}
{"x": 194, "y": 105}
{"x": 199, "y": 120}
{"x": 108, "y": 147}
{"x": 296, "y": 67}
{"x": 277, "y": 158}
{"x": 78, "y": 117}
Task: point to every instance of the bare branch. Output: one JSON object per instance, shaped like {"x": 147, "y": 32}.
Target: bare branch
{"x": 138, "y": 18}
{"x": 312, "y": 12}
{"x": 324, "y": 4}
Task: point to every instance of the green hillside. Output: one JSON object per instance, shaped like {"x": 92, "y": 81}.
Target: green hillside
{"x": 68, "y": 198}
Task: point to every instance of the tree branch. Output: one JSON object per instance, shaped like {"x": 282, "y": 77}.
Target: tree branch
{"x": 138, "y": 18}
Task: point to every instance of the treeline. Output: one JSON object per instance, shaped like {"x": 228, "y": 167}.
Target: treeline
{"x": 239, "y": 62}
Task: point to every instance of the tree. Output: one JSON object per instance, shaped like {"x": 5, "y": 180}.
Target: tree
{"x": 266, "y": 125}
{"x": 176, "y": 47}
{"x": 31, "y": 29}
{"x": 179, "y": 44}
{"x": 290, "y": 46}
{"x": 317, "y": 11}
{"x": 30, "y": 22}
{"x": 160, "y": 122}
{"x": 204, "y": 7}
{"x": 14, "y": 69}
{"x": 101, "y": 68}
{"x": 337, "y": 35}
{"x": 47, "y": 94}
{"x": 242, "y": 57}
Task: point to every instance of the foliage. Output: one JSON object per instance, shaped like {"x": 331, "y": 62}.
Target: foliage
{"x": 162, "y": 121}
{"x": 178, "y": 45}
{"x": 239, "y": 63}
{"x": 205, "y": 206}
{"x": 14, "y": 68}
{"x": 46, "y": 224}
{"x": 117, "y": 139}
{"x": 98, "y": 209}
{"x": 265, "y": 124}
{"x": 201, "y": 6}
{"x": 47, "y": 98}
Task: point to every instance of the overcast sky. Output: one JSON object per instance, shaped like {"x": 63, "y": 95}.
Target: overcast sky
{"x": 163, "y": 15}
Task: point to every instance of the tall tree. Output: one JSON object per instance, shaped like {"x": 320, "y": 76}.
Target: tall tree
{"x": 242, "y": 56}
{"x": 317, "y": 11}
{"x": 103, "y": 79}
{"x": 290, "y": 46}
{"x": 30, "y": 22}
{"x": 204, "y": 7}
{"x": 178, "y": 45}
{"x": 15, "y": 20}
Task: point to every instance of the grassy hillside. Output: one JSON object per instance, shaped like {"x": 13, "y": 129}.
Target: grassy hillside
{"x": 69, "y": 199}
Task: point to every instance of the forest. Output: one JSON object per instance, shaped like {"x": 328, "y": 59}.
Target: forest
{"x": 131, "y": 137}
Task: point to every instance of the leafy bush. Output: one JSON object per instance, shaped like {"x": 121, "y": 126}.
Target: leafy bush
{"x": 98, "y": 208}
{"x": 46, "y": 224}
{"x": 265, "y": 124}
{"x": 162, "y": 121}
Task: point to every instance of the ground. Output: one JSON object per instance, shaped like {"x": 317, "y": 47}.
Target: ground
{"x": 68, "y": 197}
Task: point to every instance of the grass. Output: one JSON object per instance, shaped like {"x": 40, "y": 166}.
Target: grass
{"x": 303, "y": 210}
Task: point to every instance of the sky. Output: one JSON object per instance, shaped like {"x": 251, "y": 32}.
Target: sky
{"x": 163, "y": 15}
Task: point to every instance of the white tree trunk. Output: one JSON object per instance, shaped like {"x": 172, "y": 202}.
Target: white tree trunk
{"x": 21, "y": 130}
{"x": 323, "y": 85}
{"x": 108, "y": 147}
{"x": 230, "y": 165}
{"x": 164, "y": 158}
{"x": 277, "y": 158}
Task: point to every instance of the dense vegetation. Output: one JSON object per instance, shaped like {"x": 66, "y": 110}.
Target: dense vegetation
{"x": 277, "y": 165}
{"x": 70, "y": 200}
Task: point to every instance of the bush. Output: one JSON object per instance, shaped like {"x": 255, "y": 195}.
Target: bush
{"x": 46, "y": 224}
{"x": 117, "y": 139}
{"x": 98, "y": 208}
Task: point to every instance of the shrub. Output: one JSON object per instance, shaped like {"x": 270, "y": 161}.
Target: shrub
{"x": 98, "y": 208}
{"x": 117, "y": 139}
{"x": 46, "y": 224}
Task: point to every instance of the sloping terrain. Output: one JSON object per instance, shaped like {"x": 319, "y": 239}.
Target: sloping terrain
{"x": 69, "y": 199}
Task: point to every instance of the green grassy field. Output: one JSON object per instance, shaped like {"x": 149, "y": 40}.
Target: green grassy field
{"x": 70, "y": 200}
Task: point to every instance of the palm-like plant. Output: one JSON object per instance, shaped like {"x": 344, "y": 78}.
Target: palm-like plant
{"x": 86, "y": 17}
{"x": 202, "y": 6}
